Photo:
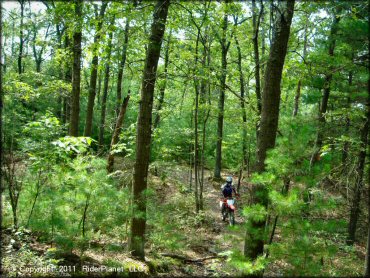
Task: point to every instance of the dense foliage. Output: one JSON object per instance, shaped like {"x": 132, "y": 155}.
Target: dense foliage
{"x": 213, "y": 72}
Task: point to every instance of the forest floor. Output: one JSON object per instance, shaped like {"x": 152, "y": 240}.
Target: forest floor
{"x": 180, "y": 242}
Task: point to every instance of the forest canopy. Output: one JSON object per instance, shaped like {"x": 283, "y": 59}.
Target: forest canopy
{"x": 122, "y": 123}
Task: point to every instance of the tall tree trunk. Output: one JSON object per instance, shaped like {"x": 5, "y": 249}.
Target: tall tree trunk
{"x": 163, "y": 86}
{"x": 68, "y": 78}
{"x": 325, "y": 97}
{"x": 21, "y": 39}
{"x": 254, "y": 239}
{"x": 76, "y": 71}
{"x": 205, "y": 112}
{"x": 256, "y": 23}
{"x": 105, "y": 88}
{"x": 345, "y": 149}
{"x": 359, "y": 181}
{"x": 242, "y": 101}
{"x": 221, "y": 101}
{"x": 367, "y": 259}
{"x": 299, "y": 85}
{"x": 1, "y": 110}
{"x": 117, "y": 132}
{"x": 94, "y": 72}
{"x": 121, "y": 66}
{"x": 143, "y": 137}
{"x": 196, "y": 137}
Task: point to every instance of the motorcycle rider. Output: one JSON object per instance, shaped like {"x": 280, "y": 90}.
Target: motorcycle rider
{"x": 227, "y": 190}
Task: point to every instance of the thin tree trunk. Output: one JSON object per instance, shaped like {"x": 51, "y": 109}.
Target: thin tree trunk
{"x": 21, "y": 39}
{"x": 299, "y": 85}
{"x": 221, "y": 101}
{"x": 205, "y": 115}
{"x": 105, "y": 88}
{"x": 325, "y": 98}
{"x": 100, "y": 80}
{"x": 254, "y": 239}
{"x": 143, "y": 137}
{"x": 345, "y": 149}
{"x": 117, "y": 132}
{"x": 196, "y": 140}
{"x": 122, "y": 66}
{"x": 256, "y": 23}
{"x": 367, "y": 259}
{"x": 76, "y": 71}
{"x": 163, "y": 86}
{"x": 68, "y": 78}
{"x": 242, "y": 101}
{"x": 196, "y": 149}
{"x": 94, "y": 72}
{"x": 35, "y": 199}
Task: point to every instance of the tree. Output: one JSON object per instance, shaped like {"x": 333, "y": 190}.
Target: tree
{"x": 327, "y": 84}
{"x": 105, "y": 86}
{"x": 76, "y": 71}
{"x": 117, "y": 132}
{"x": 21, "y": 38}
{"x": 162, "y": 88}
{"x": 122, "y": 65}
{"x": 256, "y": 24}
{"x": 269, "y": 121}
{"x": 143, "y": 136}
{"x": 94, "y": 71}
{"x": 225, "y": 44}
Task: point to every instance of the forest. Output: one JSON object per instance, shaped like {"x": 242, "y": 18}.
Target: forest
{"x": 122, "y": 123}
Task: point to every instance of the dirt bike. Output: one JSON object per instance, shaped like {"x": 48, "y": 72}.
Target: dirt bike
{"x": 228, "y": 210}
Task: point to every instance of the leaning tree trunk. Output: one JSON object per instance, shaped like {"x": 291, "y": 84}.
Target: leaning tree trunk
{"x": 76, "y": 71}
{"x": 105, "y": 88}
{"x": 143, "y": 137}
{"x": 254, "y": 239}
{"x": 94, "y": 72}
{"x": 117, "y": 132}
{"x": 221, "y": 100}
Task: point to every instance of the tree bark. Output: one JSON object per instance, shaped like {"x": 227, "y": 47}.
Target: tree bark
{"x": 117, "y": 132}
{"x": 105, "y": 87}
{"x": 254, "y": 239}
{"x": 1, "y": 108}
{"x": 121, "y": 66}
{"x": 221, "y": 101}
{"x": 143, "y": 137}
{"x": 359, "y": 182}
{"x": 94, "y": 72}
{"x": 76, "y": 71}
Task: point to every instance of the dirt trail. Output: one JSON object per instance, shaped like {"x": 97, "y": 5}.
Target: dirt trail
{"x": 218, "y": 237}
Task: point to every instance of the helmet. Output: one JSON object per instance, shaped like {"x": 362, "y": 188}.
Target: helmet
{"x": 229, "y": 179}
